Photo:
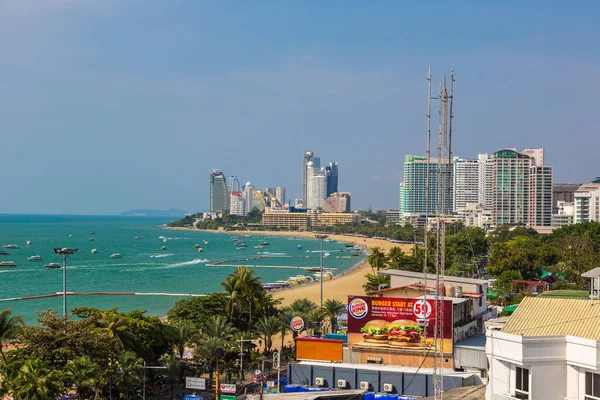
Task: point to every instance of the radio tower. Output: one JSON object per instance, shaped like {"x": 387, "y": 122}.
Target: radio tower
{"x": 443, "y": 203}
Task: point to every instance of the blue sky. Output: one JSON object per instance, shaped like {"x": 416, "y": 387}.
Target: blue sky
{"x": 109, "y": 105}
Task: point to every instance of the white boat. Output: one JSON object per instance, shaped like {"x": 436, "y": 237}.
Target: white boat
{"x": 94, "y": 251}
{"x": 163, "y": 248}
{"x": 11, "y": 246}
{"x": 91, "y": 239}
{"x": 28, "y": 242}
{"x": 165, "y": 240}
{"x": 34, "y": 258}
{"x": 116, "y": 255}
{"x": 70, "y": 235}
{"x": 206, "y": 242}
{"x": 53, "y": 265}
{"x": 138, "y": 237}
{"x": 6, "y": 264}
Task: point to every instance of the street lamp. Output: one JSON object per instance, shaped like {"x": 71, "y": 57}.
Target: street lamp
{"x": 144, "y": 382}
{"x": 65, "y": 251}
{"x": 321, "y": 237}
{"x": 241, "y": 342}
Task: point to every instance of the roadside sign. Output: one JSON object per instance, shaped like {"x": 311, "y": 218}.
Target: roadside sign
{"x": 228, "y": 397}
{"x": 228, "y": 388}
{"x": 195, "y": 383}
{"x": 270, "y": 383}
{"x": 297, "y": 324}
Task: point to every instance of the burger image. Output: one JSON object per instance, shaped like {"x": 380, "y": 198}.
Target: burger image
{"x": 404, "y": 332}
{"x": 375, "y": 331}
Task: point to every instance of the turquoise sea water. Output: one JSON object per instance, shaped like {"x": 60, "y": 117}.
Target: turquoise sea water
{"x": 143, "y": 268}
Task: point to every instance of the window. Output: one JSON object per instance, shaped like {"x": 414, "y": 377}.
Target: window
{"x": 522, "y": 385}
{"x": 592, "y": 386}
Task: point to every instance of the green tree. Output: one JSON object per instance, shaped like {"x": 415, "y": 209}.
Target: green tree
{"x": 116, "y": 327}
{"x": 35, "y": 381}
{"x": 9, "y": 326}
{"x": 196, "y": 309}
{"x": 218, "y": 326}
{"x": 267, "y": 327}
{"x": 183, "y": 333}
{"x": 83, "y": 373}
{"x": 504, "y": 283}
{"x": 210, "y": 350}
{"x": 332, "y": 308}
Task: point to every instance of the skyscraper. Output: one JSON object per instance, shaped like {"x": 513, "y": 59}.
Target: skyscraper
{"x": 219, "y": 192}
{"x": 237, "y": 204}
{"x": 234, "y": 184}
{"x": 540, "y": 196}
{"x": 248, "y": 189}
{"x": 511, "y": 187}
{"x": 486, "y": 181}
{"x": 309, "y": 156}
{"x": 331, "y": 171}
{"x": 466, "y": 182}
{"x": 401, "y": 202}
{"x": 415, "y": 174}
{"x": 317, "y": 186}
{"x": 280, "y": 194}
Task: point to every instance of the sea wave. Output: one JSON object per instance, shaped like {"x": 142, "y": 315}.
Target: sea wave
{"x": 193, "y": 262}
{"x": 274, "y": 254}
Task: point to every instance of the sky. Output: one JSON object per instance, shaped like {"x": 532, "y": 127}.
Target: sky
{"x": 109, "y": 105}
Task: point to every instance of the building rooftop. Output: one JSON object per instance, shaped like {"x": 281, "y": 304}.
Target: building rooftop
{"x": 475, "y": 341}
{"x": 567, "y": 294}
{"x": 410, "y": 274}
{"x": 550, "y": 316}
{"x": 464, "y": 393}
{"x": 389, "y": 368}
{"x": 592, "y": 273}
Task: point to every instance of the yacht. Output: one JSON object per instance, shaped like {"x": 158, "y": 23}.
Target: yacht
{"x": 53, "y": 265}
{"x": 116, "y": 255}
{"x": 94, "y": 251}
{"x": 11, "y": 246}
{"x": 34, "y": 258}
{"x": 3, "y": 253}
{"x": 7, "y": 264}
{"x": 163, "y": 248}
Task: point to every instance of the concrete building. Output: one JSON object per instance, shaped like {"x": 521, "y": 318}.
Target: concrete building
{"x": 511, "y": 187}
{"x": 234, "y": 184}
{"x": 248, "y": 189}
{"x": 540, "y": 196}
{"x": 401, "y": 201}
{"x": 565, "y": 214}
{"x": 331, "y": 171}
{"x": 415, "y": 176}
{"x": 563, "y": 192}
{"x": 476, "y": 215}
{"x": 549, "y": 349}
{"x": 486, "y": 181}
{"x": 280, "y": 195}
{"x": 237, "y": 204}
{"x": 392, "y": 217}
{"x": 536, "y": 154}
{"x": 338, "y": 203}
{"x": 317, "y": 187}
{"x": 328, "y": 219}
{"x": 219, "y": 192}
{"x": 587, "y": 203}
{"x": 285, "y": 219}
{"x": 466, "y": 182}
{"x": 309, "y": 157}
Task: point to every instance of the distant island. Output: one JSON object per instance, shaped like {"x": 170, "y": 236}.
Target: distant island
{"x": 171, "y": 212}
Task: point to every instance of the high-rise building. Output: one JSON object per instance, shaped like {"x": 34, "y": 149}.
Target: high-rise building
{"x": 564, "y": 192}
{"x": 587, "y": 203}
{"x": 486, "y": 181}
{"x": 219, "y": 192}
{"x": 540, "y": 196}
{"x": 511, "y": 187}
{"x": 401, "y": 201}
{"x": 466, "y": 182}
{"x": 248, "y": 189}
{"x": 415, "y": 176}
{"x": 337, "y": 203}
{"x": 331, "y": 171}
{"x": 234, "y": 184}
{"x": 317, "y": 187}
{"x": 237, "y": 204}
{"x": 536, "y": 154}
{"x": 309, "y": 157}
{"x": 280, "y": 194}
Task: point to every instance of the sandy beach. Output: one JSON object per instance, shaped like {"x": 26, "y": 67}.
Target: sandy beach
{"x": 338, "y": 288}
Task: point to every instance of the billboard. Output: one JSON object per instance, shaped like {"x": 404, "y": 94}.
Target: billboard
{"x": 402, "y": 323}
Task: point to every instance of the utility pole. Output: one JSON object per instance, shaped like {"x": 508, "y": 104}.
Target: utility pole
{"x": 321, "y": 237}
{"x": 144, "y": 381}
{"x": 241, "y": 342}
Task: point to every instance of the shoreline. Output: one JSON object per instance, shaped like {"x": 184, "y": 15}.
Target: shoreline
{"x": 348, "y": 283}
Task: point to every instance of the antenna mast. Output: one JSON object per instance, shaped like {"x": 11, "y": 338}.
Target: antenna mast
{"x": 425, "y": 235}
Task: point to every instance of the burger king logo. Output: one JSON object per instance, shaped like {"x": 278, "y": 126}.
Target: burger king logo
{"x": 297, "y": 324}
{"x": 358, "y": 308}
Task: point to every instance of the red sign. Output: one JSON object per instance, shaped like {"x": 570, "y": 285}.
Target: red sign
{"x": 397, "y": 322}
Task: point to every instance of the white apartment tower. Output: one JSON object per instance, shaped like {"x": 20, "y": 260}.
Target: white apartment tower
{"x": 587, "y": 203}
{"x": 248, "y": 197}
{"x": 466, "y": 183}
{"x": 317, "y": 187}
{"x": 486, "y": 179}
{"x": 280, "y": 195}
{"x": 237, "y": 204}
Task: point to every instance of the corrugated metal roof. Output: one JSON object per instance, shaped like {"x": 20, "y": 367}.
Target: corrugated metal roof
{"x": 548, "y": 316}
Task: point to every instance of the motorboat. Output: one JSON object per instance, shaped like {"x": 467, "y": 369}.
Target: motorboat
{"x": 240, "y": 248}
{"x": 165, "y": 240}
{"x": 3, "y": 253}
{"x": 94, "y": 251}
{"x": 70, "y": 236}
{"x": 259, "y": 247}
{"x": 199, "y": 249}
{"x": 6, "y": 264}
{"x": 265, "y": 243}
{"x": 53, "y": 265}
{"x": 34, "y": 258}
{"x": 138, "y": 237}
{"x": 116, "y": 255}
{"x": 196, "y": 246}
{"x": 91, "y": 239}
{"x": 92, "y": 233}
{"x": 28, "y": 242}
{"x": 11, "y": 246}
{"x": 163, "y": 248}
{"x": 313, "y": 269}
{"x": 205, "y": 242}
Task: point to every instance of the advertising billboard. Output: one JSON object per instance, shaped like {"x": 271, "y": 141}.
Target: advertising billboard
{"x": 402, "y": 323}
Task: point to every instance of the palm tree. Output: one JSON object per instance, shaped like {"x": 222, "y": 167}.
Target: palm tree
{"x": 302, "y": 306}
{"x": 83, "y": 374}
{"x": 285, "y": 318}
{"x": 116, "y": 328}
{"x": 377, "y": 259}
{"x": 332, "y": 308}
{"x": 218, "y": 326}
{"x": 244, "y": 290}
{"x": 35, "y": 381}
{"x": 183, "y": 332}
{"x": 9, "y": 326}
{"x": 314, "y": 320}
{"x": 210, "y": 349}
{"x": 267, "y": 327}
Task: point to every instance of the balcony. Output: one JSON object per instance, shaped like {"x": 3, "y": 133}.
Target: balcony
{"x": 502, "y": 396}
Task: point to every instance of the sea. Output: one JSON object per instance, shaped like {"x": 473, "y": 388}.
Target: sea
{"x": 144, "y": 268}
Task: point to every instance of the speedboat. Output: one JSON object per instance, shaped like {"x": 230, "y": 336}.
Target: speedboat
{"x": 163, "y": 248}
{"x": 53, "y": 265}
{"x": 11, "y": 246}
{"x": 6, "y": 264}
{"x": 240, "y": 248}
{"x": 165, "y": 240}
{"x": 199, "y": 249}
{"x": 28, "y": 242}
{"x": 138, "y": 237}
{"x": 91, "y": 239}
{"x": 259, "y": 247}
{"x": 265, "y": 243}
{"x": 196, "y": 246}
{"x": 3, "y": 253}
{"x": 205, "y": 242}
{"x": 94, "y": 251}
{"x": 92, "y": 233}
{"x": 34, "y": 258}
{"x": 116, "y": 255}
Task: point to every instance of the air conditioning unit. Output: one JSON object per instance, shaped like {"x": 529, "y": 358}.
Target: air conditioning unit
{"x": 364, "y": 385}
{"x": 341, "y": 383}
{"x": 319, "y": 381}
{"x": 388, "y": 387}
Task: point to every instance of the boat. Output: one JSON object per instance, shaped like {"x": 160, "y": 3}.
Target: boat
{"x": 196, "y": 246}
{"x": 199, "y": 249}
{"x": 70, "y": 236}
{"x": 205, "y": 242}
{"x": 11, "y": 246}
{"x": 53, "y": 265}
{"x": 91, "y": 239}
{"x": 299, "y": 247}
{"x": 163, "y": 248}
{"x": 326, "y": 254}
{"x": 34, "y": 258}
{"x": 259, "y": 247}
{"x": 28, "y": 242}
{"x": 116, "y": 255}
{"x": 92, "y": 233}
{"x": 6, "y": 264}
{"x": 240, "y": 248}
{"x": 94, "y": 251}
{"x": 138, "y": 237}
{"x": 265, "y": 243}
{"x": 165, "y": 240}
{"x": 311, "y": 269}
{"x": 3, "y": 253}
